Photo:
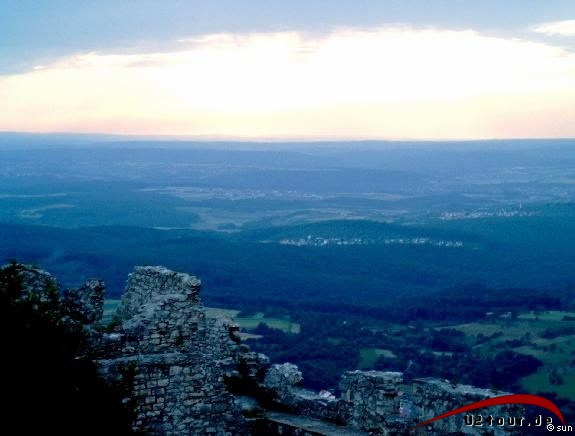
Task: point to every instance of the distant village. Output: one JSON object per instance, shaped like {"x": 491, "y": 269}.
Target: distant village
{"x": 318, "y": 241}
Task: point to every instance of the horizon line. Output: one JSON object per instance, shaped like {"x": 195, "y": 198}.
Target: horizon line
{"x": 291, "y": 139}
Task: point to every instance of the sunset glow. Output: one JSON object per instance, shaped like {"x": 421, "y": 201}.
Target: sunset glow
{"x": 389, "y": 82}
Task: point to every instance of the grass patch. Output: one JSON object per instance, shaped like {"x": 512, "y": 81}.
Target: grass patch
{"x": 539, "y": 382}
{"x": 217, "y": 312}
{"x": 500, "y": 330}
{"x": 251, "y": 322}
{"x": 246, "y": 323}
{"x": 552, "y": 315}
{"x": 368, "y": 356}
{"x": 275, "y": 323}
{"x": 556, "y": 353}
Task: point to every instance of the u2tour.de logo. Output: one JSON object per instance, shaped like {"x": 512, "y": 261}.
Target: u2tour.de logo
{"x": 527, "y": 399}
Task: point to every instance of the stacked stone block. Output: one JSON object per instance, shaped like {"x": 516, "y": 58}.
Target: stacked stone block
{"x": 373, "y": 398}
{"x": 434, "y": 397}
{"x": 86, "y": 303}
{"x": 179, "y": 358}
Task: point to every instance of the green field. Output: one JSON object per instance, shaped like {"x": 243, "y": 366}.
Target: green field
{"x": 539, "y": 382}
{"x": 553, "y": 315}
{"x": 556, "y": 351}
{"x": 246, "y": 323}
{"x": 368, "y": 356}
{"x": 251, "y": 322}
{"x": 216, "y": 312}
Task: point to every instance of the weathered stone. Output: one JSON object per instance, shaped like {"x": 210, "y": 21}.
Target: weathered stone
{"x": 182, "y": 368}
{"x": 433, "y": 397}
{"x": 361, "y": 390}
{"x": 36, "y": 281}
{"x": 86, "y": 303}
{"x": 282, "y": 376}
{"x": 174, "y": 351}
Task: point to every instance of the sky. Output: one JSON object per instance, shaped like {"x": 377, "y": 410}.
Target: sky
{"x": 290, "y": 70}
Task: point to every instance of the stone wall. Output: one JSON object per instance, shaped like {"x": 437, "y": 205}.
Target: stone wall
{"x": 174, "y": 394}
{"x": 36, "y": 281}
{"x": 182, "y": 368}
{"x": 177, "y": 358}
{"x": 86, "y": 303}
{"x": 433, "y": 397}
{"x": 377, "y": 402}
{"x": 373, "y": 399}
{"x": 149, "y": 282}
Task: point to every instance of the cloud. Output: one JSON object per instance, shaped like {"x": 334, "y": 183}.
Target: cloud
{"x": 563, "y": 28}
{"x": 391, "y": 82}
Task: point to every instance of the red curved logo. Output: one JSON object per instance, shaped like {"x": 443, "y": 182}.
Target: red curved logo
{"x": 532, "y": 400}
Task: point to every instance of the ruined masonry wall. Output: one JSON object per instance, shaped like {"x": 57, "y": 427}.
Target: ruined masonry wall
{"x": 86, "y": 303}
{"x": 176, "y": 394}
{"x": 149, "y": 282}
{"x": 176, "y": 362}
{"x": 377, "y": 402}
{"x": 433, "y": 397}
{"x": 373, "y": 398}
{"x": 177, "y": 357}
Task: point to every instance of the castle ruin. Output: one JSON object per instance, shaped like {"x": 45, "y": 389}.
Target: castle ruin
{"x": 190, "y": 375}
